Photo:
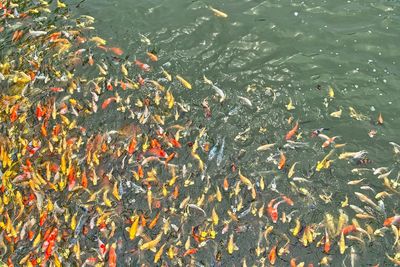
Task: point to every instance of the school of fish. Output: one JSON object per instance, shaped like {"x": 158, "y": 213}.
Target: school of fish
{"x": 141, "y": 194}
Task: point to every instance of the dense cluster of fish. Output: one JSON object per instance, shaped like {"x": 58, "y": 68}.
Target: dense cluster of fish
{"x": 141, "y": 194}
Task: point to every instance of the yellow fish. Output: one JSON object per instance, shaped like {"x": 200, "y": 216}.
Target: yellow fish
{"x": 151, "y": 244}
{"x": 331, "y": 92}
{"x": 290, "y": 105}
{"x": 184, "y": 82}
{"x": 133, "y": 228}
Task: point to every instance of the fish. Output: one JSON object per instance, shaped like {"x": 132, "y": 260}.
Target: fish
{"x": 380, "y": 119}
{"x": 336, "y": 114}
{"x": 290, "y": 105}
{"x": 245, "y": 100}
{"x": 291, "y": 170}
{"x": 213, "y": 151}
{"x": 324, "y": 163}
{"x": 394, "y": 220}
{"x": 367, "y": 200}
{"x": 217, "y": 89}
{"x": 331, "y": 93}
{"x": 292, "y": 132}
{"x": 272, "y": 209}
{"x": 282, "y": 161}
{"x": 152, "y": 56}
{"x": 218, "y": 13}
{"x": 184, "y": 82}
{"x": 220, "y": 155}
{"x": 142, "y": 66}
{"x": 328, "y": 140}
{"x": 265, "y": 147}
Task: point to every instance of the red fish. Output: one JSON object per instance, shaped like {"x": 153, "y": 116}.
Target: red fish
{"x": 158, "y": 152}
{"x": 292, "y": 132}
{"x": 272, "y": 209}
{"x": 190, "y": 252}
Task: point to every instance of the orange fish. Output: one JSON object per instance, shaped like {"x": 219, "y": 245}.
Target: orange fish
{"x": 392, "y": 220}
{"x": 132, "y": 146}
{"x": 154, "y": 221}
{"x": 91, "y": 60}
{"x": 272, "y": 255}
{"x": 152, "y": 56}
{"x": 40, "y": 112}
{"x": 329, "y": 141}
{"x": 292, "y": 132}
{"x": 84, "y": 181}
{"x": 14, "y": 113}
{"x": 108, "y": 102}
{"x": 226, "y": 184}
{"x": 348, "y": 229}
{"x": 116, "y": 50}
{"x": 71, "y": 178}
{"x": 112, "y": 256}
{"x": 282, "y": 162}
{"x": 287, "y": 200}
{"x": 327, "y": 245}
{"x": 142, "y": 65}
{"x": 170, "y": 157}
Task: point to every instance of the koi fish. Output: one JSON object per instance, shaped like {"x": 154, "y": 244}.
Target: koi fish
{"x": 292, "y": 132}
{"x": 218, "y": 13}
{"x": 152, "y": 56}
{"x": 282, "y": 161}
{"x": 221, "y": 153}
{"x": 107, "y": 102}
{"x": 184, "y": 82}
{"x": 142, "y": 65}
{"x": 272, "y": 209}
{"x": 395, "y": 220}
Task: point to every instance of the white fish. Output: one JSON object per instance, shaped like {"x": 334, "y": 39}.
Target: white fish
{"x": 245, "y": 101}
{"x": 219, "y": 92}
{"x": 221, "y": 153}
{"x": 216, "y": 88}
{"x": 396, "y": 147}
{"x": 37, "y": 33}
{"x": 265, "y": 147}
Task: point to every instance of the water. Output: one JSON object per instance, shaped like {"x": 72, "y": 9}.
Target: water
{"x": 268, "y": 52}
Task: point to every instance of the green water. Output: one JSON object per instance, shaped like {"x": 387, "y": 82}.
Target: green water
{"x": 290, "y": 49}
